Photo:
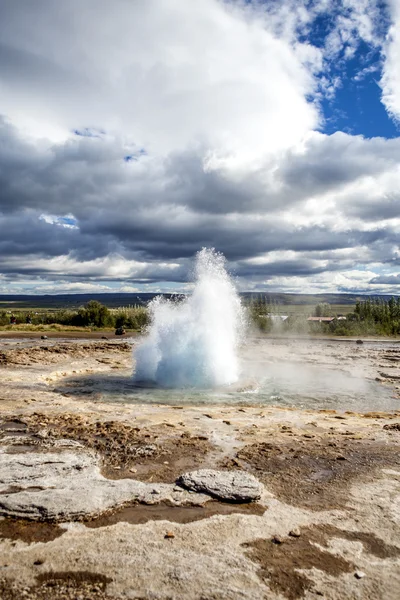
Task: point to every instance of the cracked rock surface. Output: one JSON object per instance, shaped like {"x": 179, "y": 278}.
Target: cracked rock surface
{"x": 62, "y": 486}
{"x": 330, "y": 520}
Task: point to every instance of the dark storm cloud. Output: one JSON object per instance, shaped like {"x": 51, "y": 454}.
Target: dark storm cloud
{"x": 78, "y": 174}
{"x": 381, "y": 208}
{"x": 26, "y": 233}
{"x": 165, "y": 209}
{"x": 206, "y": 190}
{"x": 142, "y": 238}
{"x": 325, "y": 164}
{"x": 298, "y": 266}
{"x": 87, "y": 173}
{"x": 329, "y": 162}
{"x": 387, "y": 279}
{"x": 237, "y": 241}
{"x": 149, "y": 274}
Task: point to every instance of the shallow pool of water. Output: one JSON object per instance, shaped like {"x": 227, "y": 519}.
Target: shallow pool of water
{"x": 306, "y": 374}
{"x": 287, "y": 385}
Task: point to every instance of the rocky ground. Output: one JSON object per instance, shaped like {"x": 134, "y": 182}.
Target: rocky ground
{"x": 143, "y": 501}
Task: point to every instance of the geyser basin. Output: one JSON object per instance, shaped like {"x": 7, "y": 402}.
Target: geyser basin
{"x": 310, "y": 374}
{"x": 195, "y": 352}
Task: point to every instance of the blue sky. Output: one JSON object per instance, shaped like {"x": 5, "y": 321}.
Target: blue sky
{"x": 356, "y": 106}
{"x": 132, "y": 136}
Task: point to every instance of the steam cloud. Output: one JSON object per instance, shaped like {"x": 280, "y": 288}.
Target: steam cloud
{"x": 194, "y": 343}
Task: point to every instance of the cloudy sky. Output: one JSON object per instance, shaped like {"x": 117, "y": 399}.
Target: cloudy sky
{"x": 135, "y": 132}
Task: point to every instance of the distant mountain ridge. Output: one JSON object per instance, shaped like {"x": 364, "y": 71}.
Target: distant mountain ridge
{"x": 114, "y": 300}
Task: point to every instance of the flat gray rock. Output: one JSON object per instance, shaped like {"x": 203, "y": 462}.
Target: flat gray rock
{"x": 234, "y": 486}
{"x": 68, "y": 485}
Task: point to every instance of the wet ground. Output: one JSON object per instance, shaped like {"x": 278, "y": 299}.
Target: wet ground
{"x": 325, "y": 442}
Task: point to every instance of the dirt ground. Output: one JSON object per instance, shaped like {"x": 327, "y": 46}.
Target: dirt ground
{"x": 327, "y": 524}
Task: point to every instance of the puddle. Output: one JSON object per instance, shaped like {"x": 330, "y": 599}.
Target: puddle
{"x": 13, "y": 426}
{"x": 139, "y": 514}
{"x": 15, "y": 489}
{"x": 20, "y": 448}
{"x": 29, "y": 531}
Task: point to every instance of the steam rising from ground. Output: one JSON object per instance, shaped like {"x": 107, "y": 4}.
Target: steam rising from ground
{"x": 194, "y": 343}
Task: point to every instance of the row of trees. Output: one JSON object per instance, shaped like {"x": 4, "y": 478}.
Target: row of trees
{"x": 93, "y": 314}
{"x": 373, "y": 316}
{"x": 378, "y": 310}
{"x": 382, "y": 315}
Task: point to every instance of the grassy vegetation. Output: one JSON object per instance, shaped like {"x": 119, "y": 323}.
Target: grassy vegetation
{"x": 92, "y": 316}
{"x": 42, "y": 328}
{"x": 373, "y": 317}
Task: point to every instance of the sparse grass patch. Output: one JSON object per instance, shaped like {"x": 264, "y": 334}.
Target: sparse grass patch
{"x": 91, "y": 317}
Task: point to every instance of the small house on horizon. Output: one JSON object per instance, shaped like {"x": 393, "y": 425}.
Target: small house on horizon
{"x": 277, "y": 317}
{"x": 321, "y": 319}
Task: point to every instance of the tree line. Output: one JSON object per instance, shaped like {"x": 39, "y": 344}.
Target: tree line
{"x": 93, "y": 314}
{"x": 373, "y": 316}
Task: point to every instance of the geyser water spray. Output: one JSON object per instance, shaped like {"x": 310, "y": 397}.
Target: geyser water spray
{"x": 194, "y": 343}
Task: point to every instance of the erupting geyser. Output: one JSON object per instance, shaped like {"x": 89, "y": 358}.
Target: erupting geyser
{"x": 194, "y": 343}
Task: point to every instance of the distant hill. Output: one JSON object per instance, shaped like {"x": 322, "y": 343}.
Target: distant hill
{"x": 302, "y": 299}
{"x": 72, "y": 301}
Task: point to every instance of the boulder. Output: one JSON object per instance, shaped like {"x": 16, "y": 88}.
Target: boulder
{"x": 232, "y": 486}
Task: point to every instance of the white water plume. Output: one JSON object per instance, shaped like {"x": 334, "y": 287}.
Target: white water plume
{"x": 194, "y": 343}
